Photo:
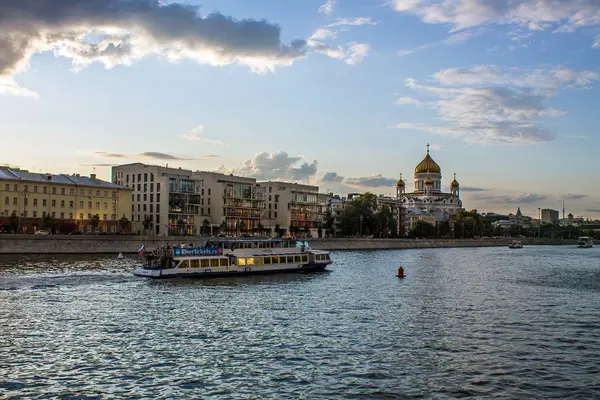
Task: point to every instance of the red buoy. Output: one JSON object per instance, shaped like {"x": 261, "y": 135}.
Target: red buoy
{"x": 400, "y": 272}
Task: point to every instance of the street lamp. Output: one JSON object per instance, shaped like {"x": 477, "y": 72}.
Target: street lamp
{"x": 540, "y": 222}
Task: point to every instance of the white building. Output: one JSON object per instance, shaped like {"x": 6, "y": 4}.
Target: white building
{"x": 428, "y": 202}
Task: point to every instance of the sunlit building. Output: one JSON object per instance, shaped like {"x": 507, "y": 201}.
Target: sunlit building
{"x": 62, "y": 203}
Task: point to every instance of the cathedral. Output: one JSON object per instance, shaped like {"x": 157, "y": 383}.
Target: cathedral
{"x": 428, "y": 202}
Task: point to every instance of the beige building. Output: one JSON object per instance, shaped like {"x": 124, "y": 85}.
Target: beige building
{"x": 175, "y": 201}
{"x": 63, "y": 203}
{"x": 297, "y": 209}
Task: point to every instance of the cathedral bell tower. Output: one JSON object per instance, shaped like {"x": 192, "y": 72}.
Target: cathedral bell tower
{"x": 454, "y": 187}
{"x": 400, "y": 187}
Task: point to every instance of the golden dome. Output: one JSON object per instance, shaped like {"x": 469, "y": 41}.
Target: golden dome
{"x": 427, "y": 181}
{"x": 428, "y": 165}
{"x": 400, "y": 182}
{"x": 454, "y": 183}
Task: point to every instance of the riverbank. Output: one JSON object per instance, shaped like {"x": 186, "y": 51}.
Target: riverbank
{"x": 92, "y": 244}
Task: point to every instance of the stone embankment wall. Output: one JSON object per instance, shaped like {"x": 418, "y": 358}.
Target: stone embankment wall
{"x": 88, "y": 244}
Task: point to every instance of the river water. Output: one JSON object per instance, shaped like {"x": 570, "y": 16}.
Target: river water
{"x": 464, "y": 323}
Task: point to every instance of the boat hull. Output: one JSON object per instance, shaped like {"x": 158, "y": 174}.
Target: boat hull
{"x": 158, "y": 273}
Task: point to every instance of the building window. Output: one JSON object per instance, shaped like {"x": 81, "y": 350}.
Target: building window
{"x": 44, "y": 203}
{"x": 157, "y": 219}
{"x": 34, "y": 202}
{"x": 53, "y": 214}
{"x": 209, "y": 199}
{"x": 127, "y": 178}
{"x": 105, "y": 205}
{"x": 275, "y": 214}
{"x": 144, "y": 208}
{"x": 202, "y": 192}
{"x": 89, "y": 216}
{"x": 139, "y": 207}
{"x": 132, "y": 208}
{"x": 208, "y": 212}
{"x": 202, "y": 211}
{"x": 158, "y": 208}
{"x": 62, "y": 190}
{"x": 151, "y": 197}
{"x": 7, "y": 187}
{"x": 158, "y": 197}
{"x": 81, "y": 204}
{"x": 269, "y": 196}
{"x": 158, "y": 186}
{"x": 269, "y": 206}
{"x": 53, "y": 203}
{"x": 35, "y": 214}
{"x": 53, "y": 190}
{"x": 145, "y": 187}
{"x": 43, "y": 214}
{"x": 71, "y": 192}
{"x": 145, "y": 177}
{"x": 145, "y": 197}
{"x": 151, "y": 178}
{"x": 97, "y": 205}
{"x": 35, "y": 189}
{"x": 202, "y": 202}
{"x": 81, "y": 192}
{"x": 97, "y": 193}
{"x": 276, "y": 206}
{"x": 70, "y": 215}
{"x": 138, "y": 197}
{"x": 6, "y": 200}
{"x": 114, "y": 195}
{"x": 270, "y": 189}
{"x": 16, "y": 188}
{"x": 62, "y": 203}
{"x": 104, "y": 217}
{"x": 80, "y": 216}
{"x": 106, "y": 193}
{"x": 62, "y": 215}
{"x": 89, "y": 205}
{"x": 133, "y": 197}
{"x": 152, "y": 187}
{"x": 269, "y": 214}
{"x": 138, "y": 218}
{"x": 139, "y": 187}
{"x": 139, "y": 177}
{"x": 151, "y": 207}
{"x": 25, "y": 213}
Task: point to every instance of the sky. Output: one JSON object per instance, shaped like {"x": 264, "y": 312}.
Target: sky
{"x": 344, "y": 94}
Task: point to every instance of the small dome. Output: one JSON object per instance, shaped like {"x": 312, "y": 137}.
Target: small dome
{"x": 428, "y": 181}
{"x": 454, "y": 184}
{"x": 400, "y": 183}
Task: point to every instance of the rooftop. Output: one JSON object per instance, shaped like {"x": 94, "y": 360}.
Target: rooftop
{"x": 62, "y": 179}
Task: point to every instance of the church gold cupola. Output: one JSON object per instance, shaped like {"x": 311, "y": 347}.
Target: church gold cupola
{"x": 428, "y": 170}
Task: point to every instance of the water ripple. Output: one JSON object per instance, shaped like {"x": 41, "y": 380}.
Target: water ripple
{"x": 465, "y": 323}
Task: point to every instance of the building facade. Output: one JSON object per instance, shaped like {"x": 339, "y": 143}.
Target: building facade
{"x": 550, "y": 216}
{"x": 297, "y": 209}
{"x": 428, "y": 202}
{"x": 62, "y": 203}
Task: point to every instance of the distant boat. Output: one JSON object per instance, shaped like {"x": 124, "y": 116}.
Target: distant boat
{"x": 585, "y": 242}
{"x": 515, "y": 244}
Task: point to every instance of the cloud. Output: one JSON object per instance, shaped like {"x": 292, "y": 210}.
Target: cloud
{"x": 593, "y": 210}
{"x": 194, "y": 134}
{"x": 535, "y": 15}
{"x": 471, "y": 189}
{"x": 332, "y": 177}
{"x": 120, "y": 32}
{"x": 452, "y": 39}
{"x": 352, "y": 54}
{"x": 327, "y": 7}
{"x": 571, "y": 196}
{"x": 371, "y": 181}
{"x": 493, "y": 105}
{"x": 597, "y": 42}
{"x": 277, "y": 166}
{"x": 150, "y": 155}
{"x": 524, "y": 198}
{"x": 408, "y": 100}
{"x": 357, "y": 21}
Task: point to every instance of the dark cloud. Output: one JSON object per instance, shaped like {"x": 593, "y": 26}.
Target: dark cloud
{"x": 332, "y": 177}
{"x": 573, "y": 196}
{"x": 278, "y": 165}
{"x": 371, "y": 181}
{"x": 524, "y": 198}
{"x": 117, "y": 32}
{"x": 471, "y": 189}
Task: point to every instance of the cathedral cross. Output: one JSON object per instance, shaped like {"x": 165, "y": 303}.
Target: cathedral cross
{"x": 427, "y": 148}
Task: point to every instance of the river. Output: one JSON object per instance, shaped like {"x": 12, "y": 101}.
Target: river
{"x": 464, "y": 323}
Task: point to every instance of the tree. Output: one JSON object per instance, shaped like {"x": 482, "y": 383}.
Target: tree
{"x": 329, "y": 223}
{"x": 13, "y": 222}
{"x": 48, "y": 223}
{"x": 320, "y": 232}
{"x": 223, "y": 227}
{"x": 260, "y": 228}
{"x": 422, "y": 229}
{"x": 277, "y": 230}
{"x": 384, "y": 219}
{"x": 444, "y": 229}
{"x": 147, "y": 224}
{"x": 205, "y": 228}
{"x": 359, "y": 215}
{"x": 94, "y": 222}
{"x": 124, "y": 223}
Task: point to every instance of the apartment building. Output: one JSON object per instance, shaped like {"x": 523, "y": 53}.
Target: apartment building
{"x": 176, "y": 201}
{"x": 296, "y": 208}
{"x": 63, "y": 203}
{"x": 398, "y": 211}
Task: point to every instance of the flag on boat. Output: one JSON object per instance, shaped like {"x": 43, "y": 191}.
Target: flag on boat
{"x": 141, "y": 250}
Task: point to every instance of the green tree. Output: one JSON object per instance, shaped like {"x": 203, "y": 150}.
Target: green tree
{"x": 422, "y": 229}
{"x": 382, "y": 222}
{"x": 48, "y": 223}
{"x": 13, "y": 222}
{"x": 320, "y": 232}
{"x": 260, "y": 229}
{"x": 205, "y": 228}
{"x": 124, "y": 223}
{"x": 359, "y": 215}
{"x": 444, "y": 229}
{"x": 94, "y": 222}
{"x": 277, "y": 230}
{"x": 147, "y": 224}
{"x": 223, "y": 227}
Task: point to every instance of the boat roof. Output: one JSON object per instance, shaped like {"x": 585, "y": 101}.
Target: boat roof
{"x": 245, "y": 240}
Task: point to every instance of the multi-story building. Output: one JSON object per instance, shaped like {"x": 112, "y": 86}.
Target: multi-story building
{"x": 165, "y": 201}
{"x": 63, "y": 203}
{"x": 336, "y": 208}
{"x": 295, "y": 208}
{"x": 175, "y": 201}
{"x": 398, "y": 211}
{"x": 549, "y": 215}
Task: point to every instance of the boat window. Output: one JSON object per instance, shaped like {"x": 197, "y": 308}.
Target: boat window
{"x": 275, "y": 260}
{"x": 290, "y": 259}
{"x": 258, "y": 261}
{"x": 214, "y": 262}
{"x": 241, "y": 261}
{"x": 250, "y": 261}
{"x": 297, "y": 259}
{"x": 223, "y": 262}
{"x": 326, "y": 257}
{"x": 195, "y": 263}
{"x": 204, "y": 263}
{"x": 267, "y": 260}
{"x": 304, "y": 258}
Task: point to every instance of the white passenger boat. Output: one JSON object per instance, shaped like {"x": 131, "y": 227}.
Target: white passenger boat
{"x": 234, "y": 257}
{"x": 585, "y": 242}
{"x": 515, "y": 244}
